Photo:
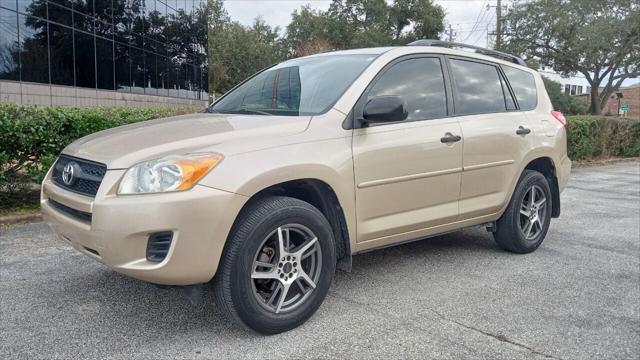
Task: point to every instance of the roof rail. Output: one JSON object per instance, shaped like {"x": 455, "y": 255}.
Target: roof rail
{"x": 480, "y": 50}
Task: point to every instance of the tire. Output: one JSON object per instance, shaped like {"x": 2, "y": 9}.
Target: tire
{"x": 513, "y": 233}
{"x": 255, "y": 268}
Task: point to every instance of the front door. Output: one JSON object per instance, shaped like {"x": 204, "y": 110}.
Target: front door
{"x": 407, "y": 173}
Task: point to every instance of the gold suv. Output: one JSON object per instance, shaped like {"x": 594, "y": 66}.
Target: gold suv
{"x": 312, "y": 161}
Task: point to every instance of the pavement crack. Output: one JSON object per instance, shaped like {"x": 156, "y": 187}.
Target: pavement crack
{"x": 498, "y": 337}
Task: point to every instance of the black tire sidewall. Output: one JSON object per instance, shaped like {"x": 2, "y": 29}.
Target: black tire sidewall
{"x": 509, "y": 235}
{"x": 249, "y": 310}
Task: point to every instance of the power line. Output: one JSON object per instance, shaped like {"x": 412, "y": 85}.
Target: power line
{"x": 481, "y": 15}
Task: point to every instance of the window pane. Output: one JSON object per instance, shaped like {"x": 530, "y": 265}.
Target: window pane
{"x": 85, "y": 60}
{"x": 83, "y": 22}
{"x": 84, "y": 6}
{"x": 137, "y": 70}
{"x": 163, "y": 68}
{"x": 523, "y": 86}
{"x": 103, "y": 10}
{"x": 567, "y": 89}
{"x": 61, "y": 50}
{"x": 123, "y": 81}
{"x": 9, "y": 47}
{"x": 59, "y": 14}
{"x": 104, "y": 58}
{"x": 151, "y": 82}
{"x": 34, "y": 56}
{"x": 37, "y": 7}
{"x": 420, "y": 83}
{"x": 478, "y": 88}
{"x": 9, "y": 4}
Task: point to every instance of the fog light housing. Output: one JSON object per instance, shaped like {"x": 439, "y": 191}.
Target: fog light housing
{"x": 158, "y": 246}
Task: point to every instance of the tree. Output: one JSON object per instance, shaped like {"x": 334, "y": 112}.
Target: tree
{"x": 236, "y": 51}
{"x": 351, "y": 24}
{"x": 597, "y": 38}
{"x": 567, "y": 104}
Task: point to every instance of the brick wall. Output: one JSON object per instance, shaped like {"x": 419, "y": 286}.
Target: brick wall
{"x": 631, "y": 97}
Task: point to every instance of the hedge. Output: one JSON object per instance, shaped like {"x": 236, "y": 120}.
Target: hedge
{"x": 599, "y": 137}
{"x": 31, "y": 137}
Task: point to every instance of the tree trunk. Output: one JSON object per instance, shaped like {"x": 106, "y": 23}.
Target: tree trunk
{"x": 595, "y": 108}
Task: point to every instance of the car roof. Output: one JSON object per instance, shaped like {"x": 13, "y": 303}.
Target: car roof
{"x": 418, "y": 49}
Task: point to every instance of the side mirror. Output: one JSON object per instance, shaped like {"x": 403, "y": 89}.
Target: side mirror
{"x": 385, "y": 109}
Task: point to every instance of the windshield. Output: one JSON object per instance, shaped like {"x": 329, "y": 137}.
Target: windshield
{"x": 306, "y": 86}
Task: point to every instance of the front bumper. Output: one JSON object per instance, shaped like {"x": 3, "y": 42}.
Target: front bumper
{"x": 117, "y": 233}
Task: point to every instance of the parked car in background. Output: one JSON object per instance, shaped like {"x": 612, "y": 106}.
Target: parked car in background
{"x": 310, "y": 162}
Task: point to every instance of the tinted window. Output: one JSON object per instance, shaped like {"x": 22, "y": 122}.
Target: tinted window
{"x": 523, "y": 86}
{"x": 61, "y": 50}
{"x": 9, "y": 48}
{"x": 34, "y": 54}
{"x": 123, "y": 81}
{"x": 85, "y": 60}
{"x": 304, "y": 86}
{"x": 420, "y": 83}
{"x": 104, "y": 59}
{"x": 478, "y": 88}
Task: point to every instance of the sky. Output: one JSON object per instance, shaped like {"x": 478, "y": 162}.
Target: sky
{"x": 461, "y": 14}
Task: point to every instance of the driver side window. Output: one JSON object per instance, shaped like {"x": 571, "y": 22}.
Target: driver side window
{"x": 420, "y": 82}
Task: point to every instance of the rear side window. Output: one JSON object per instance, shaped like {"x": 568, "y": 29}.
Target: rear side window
{"x": 478, "y": 88}
{"x": 420, "y": 83}
{"x": 524, "y": 87}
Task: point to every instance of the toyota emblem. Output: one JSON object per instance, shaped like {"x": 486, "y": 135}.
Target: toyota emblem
{"x": 68, "y": 175}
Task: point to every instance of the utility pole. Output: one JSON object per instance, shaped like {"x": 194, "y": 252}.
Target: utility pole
{"x": 498, "y": 25}
{"x": 450, "y": 33}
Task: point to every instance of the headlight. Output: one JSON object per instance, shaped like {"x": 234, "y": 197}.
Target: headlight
{"x": 173, "y": 173}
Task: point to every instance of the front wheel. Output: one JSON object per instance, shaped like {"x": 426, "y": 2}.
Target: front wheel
{"x": 278, "y": 265}
{"x": 525, "y": 222}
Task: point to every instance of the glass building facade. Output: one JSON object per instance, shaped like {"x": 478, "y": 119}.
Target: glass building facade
{"x": 154, "y": 47}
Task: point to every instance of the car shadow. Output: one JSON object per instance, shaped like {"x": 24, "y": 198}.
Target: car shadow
{"x": 107, "y": 297}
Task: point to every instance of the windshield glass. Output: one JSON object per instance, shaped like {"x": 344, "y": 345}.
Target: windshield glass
{"x": 307, "y": 86}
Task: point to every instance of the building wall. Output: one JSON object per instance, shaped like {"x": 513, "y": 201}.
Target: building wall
{"x": 85, "y": 52}
{"x": 571, "y": 85}
{"x": 56, "y": 95}
{"x": 631, "y": 96}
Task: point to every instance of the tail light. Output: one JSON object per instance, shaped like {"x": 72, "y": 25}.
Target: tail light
{"x": 560, "y": 117}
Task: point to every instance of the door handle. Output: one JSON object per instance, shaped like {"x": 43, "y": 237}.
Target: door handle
{"x": 450, "y": 138}
{"x": 523, "y": 131}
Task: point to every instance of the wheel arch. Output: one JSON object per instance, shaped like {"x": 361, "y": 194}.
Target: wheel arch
{"x": 322, "y": 196}
{"x": 546, "y": 166}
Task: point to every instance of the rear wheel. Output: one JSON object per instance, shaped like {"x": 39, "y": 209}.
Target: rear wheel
{"x": 525, "y": 222}
{"x": 278, "y": 265}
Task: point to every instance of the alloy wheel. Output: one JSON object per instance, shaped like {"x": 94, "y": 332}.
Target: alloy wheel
{"x": 533, "y": 212}
{"x": 286, "y": 268}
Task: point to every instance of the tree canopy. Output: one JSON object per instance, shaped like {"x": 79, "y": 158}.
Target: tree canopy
{"x": 237, "y": 51}
{"x": 597, "y": 38}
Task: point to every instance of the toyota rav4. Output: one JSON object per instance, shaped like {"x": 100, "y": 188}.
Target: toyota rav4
{"x": 310, "y": 162}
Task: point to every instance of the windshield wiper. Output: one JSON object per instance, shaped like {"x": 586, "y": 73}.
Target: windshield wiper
{"x": 253, "y": 111}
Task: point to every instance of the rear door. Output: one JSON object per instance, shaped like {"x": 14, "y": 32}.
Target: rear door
{"x": 407, "y": 179}
{"x": 497, "y": 136}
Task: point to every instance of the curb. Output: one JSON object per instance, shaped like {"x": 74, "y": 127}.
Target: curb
{"x": 18, "y": 219}
{"x": 592, "y": 163}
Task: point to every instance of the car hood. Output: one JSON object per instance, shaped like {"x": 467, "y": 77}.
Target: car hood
{"x": 127, "y": 145}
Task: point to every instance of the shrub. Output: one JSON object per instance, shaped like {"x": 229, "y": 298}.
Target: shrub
{"x": 593, "y": 137}
{"x": 31, "y": 137}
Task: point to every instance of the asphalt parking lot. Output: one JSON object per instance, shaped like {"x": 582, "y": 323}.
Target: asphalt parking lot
{"x": 453, "y": 296}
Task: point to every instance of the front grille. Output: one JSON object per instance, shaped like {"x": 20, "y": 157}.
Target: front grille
{"x": 158, "y": 245}
{"x": 76, "y": 214}
{"x": 84, "y": 178}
